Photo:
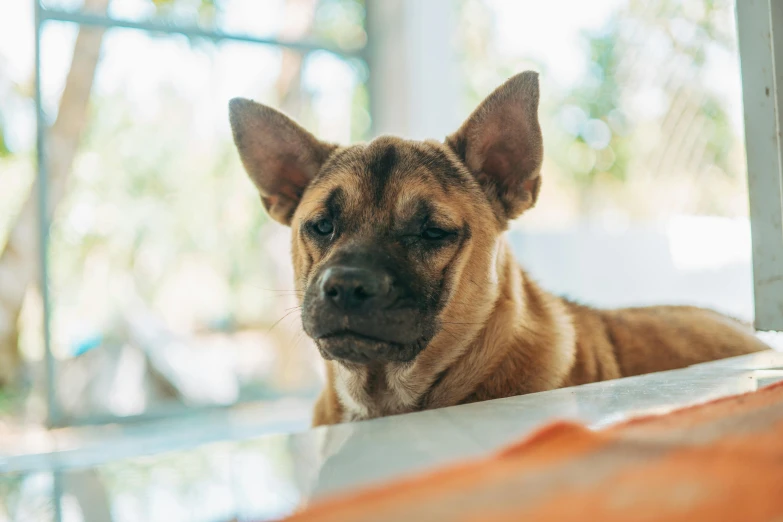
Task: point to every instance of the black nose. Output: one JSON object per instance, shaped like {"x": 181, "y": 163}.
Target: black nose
{"x": 351, "y": 288}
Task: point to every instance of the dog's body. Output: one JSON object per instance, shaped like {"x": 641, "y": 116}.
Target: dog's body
{"x": 408, "y": 286}
{"x": 535, "y": 341}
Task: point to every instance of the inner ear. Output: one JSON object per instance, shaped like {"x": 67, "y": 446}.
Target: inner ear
{"x": 501, "y": 144}
{"x": 280, "y": 157}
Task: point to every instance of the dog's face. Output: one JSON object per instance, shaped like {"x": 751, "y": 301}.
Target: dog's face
{"x": 395, "y": 242}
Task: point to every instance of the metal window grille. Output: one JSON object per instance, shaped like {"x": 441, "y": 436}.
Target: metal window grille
{"x": 55, "y": 416}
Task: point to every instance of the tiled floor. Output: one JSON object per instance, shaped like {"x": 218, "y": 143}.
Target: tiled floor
{"x": 222, "y": 466}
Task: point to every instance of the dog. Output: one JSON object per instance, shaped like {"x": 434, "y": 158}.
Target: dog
{"x": 408, "y": 286}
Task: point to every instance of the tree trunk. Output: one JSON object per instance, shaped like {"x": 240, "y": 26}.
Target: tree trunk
{"x": 298, "y": 22}
{"x": 19, "y": 259}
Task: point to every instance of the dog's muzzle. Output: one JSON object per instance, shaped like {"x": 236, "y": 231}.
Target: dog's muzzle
{"x": 359, "y": 314}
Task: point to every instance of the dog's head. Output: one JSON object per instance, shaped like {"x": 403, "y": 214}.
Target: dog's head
{"x": 395, "y": 242}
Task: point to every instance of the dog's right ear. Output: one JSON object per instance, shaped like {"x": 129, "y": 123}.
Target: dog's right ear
{"x": 279, "y": 156}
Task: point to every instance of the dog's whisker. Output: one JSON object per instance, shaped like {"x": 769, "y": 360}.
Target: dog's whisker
{"x": 287, "y": 314}
{"x": 277, "y": 290}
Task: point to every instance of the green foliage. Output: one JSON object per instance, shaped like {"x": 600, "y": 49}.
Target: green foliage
{"x": 154, "y": 196}
{"x": 205, "y": 10}
{"x": 660, "y": 48}
{"x": 360, "y": 115}
{"x": 598, "y": 98}
{"x": 341, "y": 22}
{"x": 4, "y": 151}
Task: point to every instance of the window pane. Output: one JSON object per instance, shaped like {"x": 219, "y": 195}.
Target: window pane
{"x": 337, "y": 23}
{"x": 644, "y": 177}
{"x": 163, "y": 288}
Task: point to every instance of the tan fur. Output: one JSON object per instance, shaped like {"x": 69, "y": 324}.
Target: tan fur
{"x": 534, "y": 341}
{"x": 498, "y": 333}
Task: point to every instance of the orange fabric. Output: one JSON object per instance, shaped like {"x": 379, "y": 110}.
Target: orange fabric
{"x": 718, "y": 461}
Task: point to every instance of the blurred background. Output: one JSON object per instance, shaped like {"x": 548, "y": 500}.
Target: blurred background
{"x": 169, "y": 288}
{"x": 170, "y": 291}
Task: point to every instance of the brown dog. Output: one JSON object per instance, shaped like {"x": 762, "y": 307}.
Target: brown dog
{"x": 410, "y": 290}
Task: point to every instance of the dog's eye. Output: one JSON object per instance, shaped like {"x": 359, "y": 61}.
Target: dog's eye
{"x": 323, "y": 227}
{"x": 434, "y": 233}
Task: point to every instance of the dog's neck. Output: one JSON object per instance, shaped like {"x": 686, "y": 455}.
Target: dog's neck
{"x": 477, "y": 351}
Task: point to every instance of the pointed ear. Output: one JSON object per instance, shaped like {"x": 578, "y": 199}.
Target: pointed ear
{"x": 501, "y": 145}
{"x": 279, "y": 156}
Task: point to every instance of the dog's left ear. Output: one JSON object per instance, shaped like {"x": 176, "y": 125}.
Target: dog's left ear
{"x": 279, "y": 156}
{"x": 501, "y": 145}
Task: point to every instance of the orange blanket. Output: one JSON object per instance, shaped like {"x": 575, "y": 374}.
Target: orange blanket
{"x": 718, "y": 461}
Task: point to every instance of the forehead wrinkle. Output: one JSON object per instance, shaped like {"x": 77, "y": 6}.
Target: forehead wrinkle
{"x": 409, "y": 202}
{"x": 335, "y": 203}
{"x": 347, "y": 159}
{"x": 390, "y": 162}
{"x": 317, "y": 196}
{"x": 413, "y": 178}
{"x": 412, "y": 202}
{"x": 443, "y": 165}
{"x": 382, "y": 164}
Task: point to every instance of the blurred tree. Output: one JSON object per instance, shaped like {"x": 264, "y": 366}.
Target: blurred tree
{"x": 298, "y": 23}
{"x": 18, "y": 267}
{"x": 645, "y": 108}
{"x": 18, "y": 262}
{"x": 151, "y": 223}
{"x": 644, "y": 132}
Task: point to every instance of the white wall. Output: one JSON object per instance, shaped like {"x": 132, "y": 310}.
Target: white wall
{"x": 701, "y": 261}
{"x": 414, "y": 78}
